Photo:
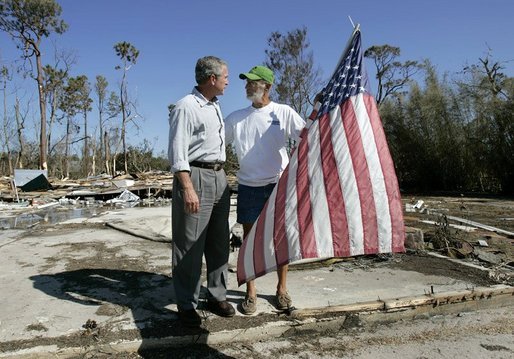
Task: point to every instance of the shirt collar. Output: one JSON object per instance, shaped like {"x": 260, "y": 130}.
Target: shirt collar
{"x": 202, "y": 101}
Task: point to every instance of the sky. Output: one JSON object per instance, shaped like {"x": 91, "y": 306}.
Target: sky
{"x": 172, "y": 35}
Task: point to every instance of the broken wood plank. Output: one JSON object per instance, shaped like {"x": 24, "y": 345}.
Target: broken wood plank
{"x": 410, "y": 302}
{"x": 371, "y": 306}
{"x": 480, "y": 225}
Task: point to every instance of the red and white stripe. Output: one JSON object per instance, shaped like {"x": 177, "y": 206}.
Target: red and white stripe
{"x": 338, "y": 197}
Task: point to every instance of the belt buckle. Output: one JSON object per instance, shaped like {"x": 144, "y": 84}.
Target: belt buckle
{"x": 217, "y": 166}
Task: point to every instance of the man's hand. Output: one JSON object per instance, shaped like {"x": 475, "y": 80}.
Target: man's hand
{"x": 318, "y": 97}
{"x": 191, "y": 202}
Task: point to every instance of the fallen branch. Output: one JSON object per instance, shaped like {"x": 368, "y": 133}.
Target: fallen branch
{"x": 136, "y": 234}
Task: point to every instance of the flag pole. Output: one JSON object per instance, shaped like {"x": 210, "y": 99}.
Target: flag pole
{"x": 351, "y": 21}
{"x": 317, "y": 99}
{"x": 356, "y": 28}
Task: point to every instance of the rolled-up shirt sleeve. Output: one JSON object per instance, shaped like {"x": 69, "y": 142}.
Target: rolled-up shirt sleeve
{"x": 181, "y": 130}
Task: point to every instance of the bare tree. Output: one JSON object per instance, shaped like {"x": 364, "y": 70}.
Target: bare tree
{"x": 113, "y": 111}
{"x": 55, "y": 80}
{"x": 70, "y": 105}
{"x": 55, "y": 77}
{"x": 101, "y": 95}
{"x": 296, "y": 78}
{"x": 28, "y": 21}
{"x": 128, "y": 55}
{"x": 6, "y": 77}
{"x": 488, "y": 75}
{"x": 392, "y": 75}
{"x": 84, "y": 105}
{"x": 487, "y": 94}
{"x": 20, "y": 126}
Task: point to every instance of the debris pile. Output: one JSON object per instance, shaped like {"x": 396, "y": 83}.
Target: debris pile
{"x": 472, "y": 229}
{"x": 27, "y": 206}
{"x": 36, "y": 201}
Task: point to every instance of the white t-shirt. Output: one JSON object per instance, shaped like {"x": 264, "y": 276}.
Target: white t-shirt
{"x": 260, "y": 137}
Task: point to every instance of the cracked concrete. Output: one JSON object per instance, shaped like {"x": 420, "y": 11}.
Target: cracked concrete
{"x": 56, "y": 278}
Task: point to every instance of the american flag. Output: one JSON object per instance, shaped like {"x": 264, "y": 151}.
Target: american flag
{"x": 339, "y": 195}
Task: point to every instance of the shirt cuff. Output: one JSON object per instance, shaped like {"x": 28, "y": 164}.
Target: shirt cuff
{"x": 180, "y": 166}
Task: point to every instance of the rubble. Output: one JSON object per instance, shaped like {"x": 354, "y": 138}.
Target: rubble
{"x": 476, "y": 230}
{"x": 113, "y": 287}
{"x": 102, "y": 192}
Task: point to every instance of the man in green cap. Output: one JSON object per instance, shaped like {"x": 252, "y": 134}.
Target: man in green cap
{"x": 260, "y": 134}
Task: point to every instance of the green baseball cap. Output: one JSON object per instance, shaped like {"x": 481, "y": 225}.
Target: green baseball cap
{"x": 258, "y": 73}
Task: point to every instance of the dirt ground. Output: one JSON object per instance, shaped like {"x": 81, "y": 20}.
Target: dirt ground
{"x": 348, "y": 337}
{"x": 439, "y": 235}
{"x": 471, "y": 335}
{"x": 448, "y": 237}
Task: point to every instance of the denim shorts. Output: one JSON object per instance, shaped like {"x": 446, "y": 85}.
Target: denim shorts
{"x": 250, "y": 201}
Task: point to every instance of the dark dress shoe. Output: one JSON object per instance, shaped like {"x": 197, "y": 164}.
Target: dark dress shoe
{"x": 223, "y": 308}
{"x": 189, "y": 318}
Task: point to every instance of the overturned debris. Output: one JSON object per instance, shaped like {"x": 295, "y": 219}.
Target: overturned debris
{"x": 476, "y": 230}
{"x": 31, "y": 180}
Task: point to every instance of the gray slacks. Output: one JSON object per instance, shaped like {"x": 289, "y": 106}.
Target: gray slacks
{"x": 203, "y": 233}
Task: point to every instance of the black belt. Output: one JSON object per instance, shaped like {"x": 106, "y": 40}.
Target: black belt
{"x": 216, "y": 166}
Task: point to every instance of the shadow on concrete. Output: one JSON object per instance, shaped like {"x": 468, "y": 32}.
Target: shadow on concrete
{"x": 146, "y": 295}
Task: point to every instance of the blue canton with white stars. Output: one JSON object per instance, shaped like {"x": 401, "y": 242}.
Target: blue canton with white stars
{"x": 349, "y": 79}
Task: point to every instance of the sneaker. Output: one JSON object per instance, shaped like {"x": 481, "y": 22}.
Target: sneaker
{"x": 283, "y": 301}
{"x": 221, "y": 308}
{"x": 249, "y": 305}
{"x": 189, "y": 318}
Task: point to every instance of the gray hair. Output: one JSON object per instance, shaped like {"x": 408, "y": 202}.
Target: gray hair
{"x": 207, "y": 66}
